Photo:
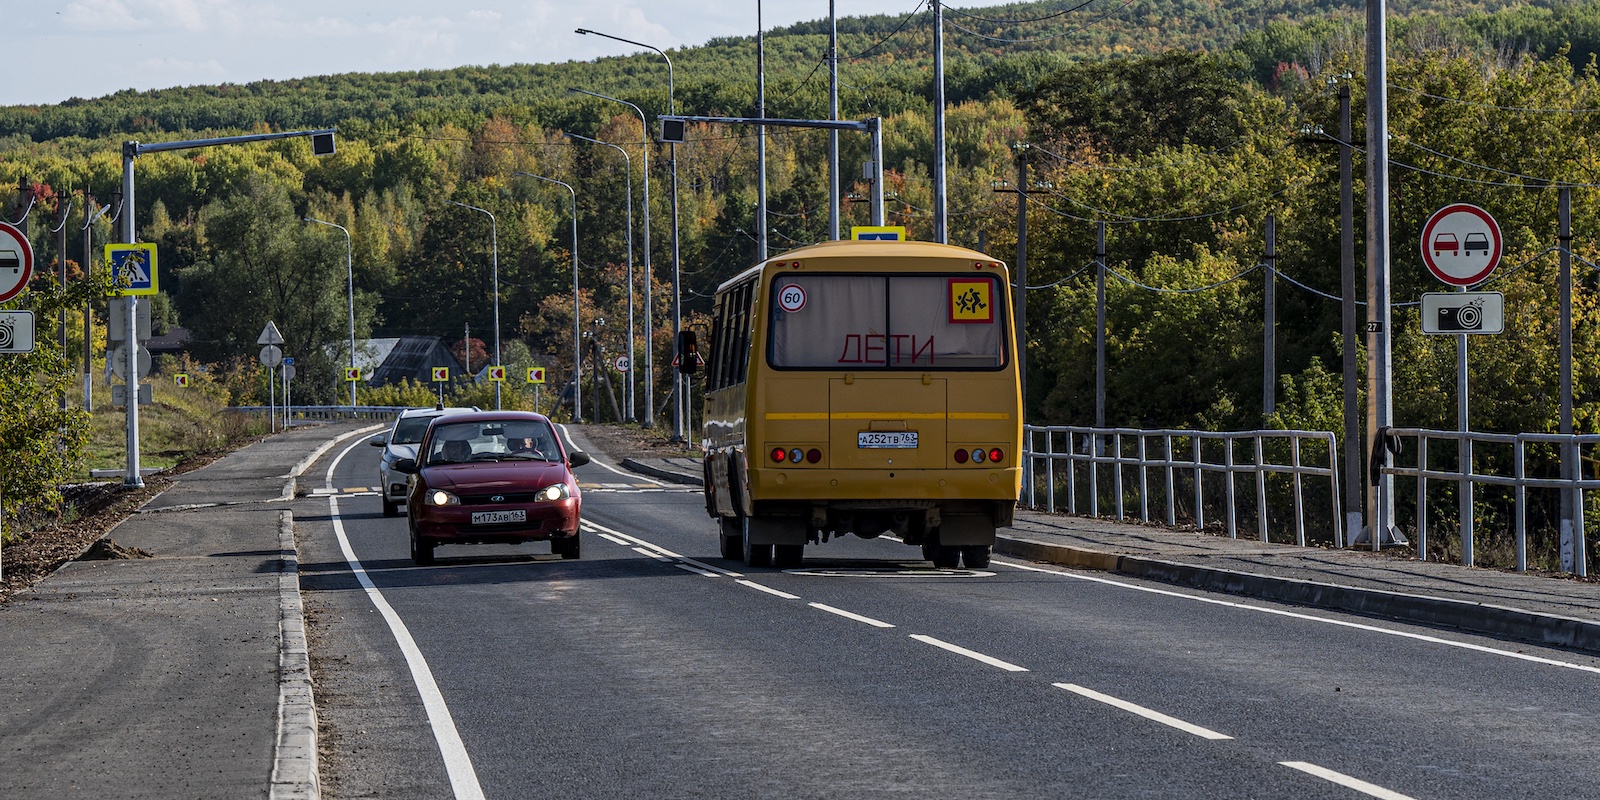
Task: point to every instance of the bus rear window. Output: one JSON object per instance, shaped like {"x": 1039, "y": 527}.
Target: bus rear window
{"x": 853, "y": 322}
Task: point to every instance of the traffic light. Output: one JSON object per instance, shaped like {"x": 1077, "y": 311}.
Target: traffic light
{"x": 689, "y": 360}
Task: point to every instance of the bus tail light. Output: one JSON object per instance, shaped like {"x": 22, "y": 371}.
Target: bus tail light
{"x": 813, "y": 455}
{"x": 978, "y": 455}
{"x": 795, "y": 455}
{"x": 779, "y": 454}
{"x": 961, "y": 456}
{"x": 996, "y": 455}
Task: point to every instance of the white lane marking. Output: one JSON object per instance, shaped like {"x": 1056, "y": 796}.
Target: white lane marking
{"x": 651, "y": 554}
{"x": 662, "y": 550}
{"x": 593, "y": 459}
{"x": 614, "y": 540}
{"x": 1147, "y": 713}
{"x": 457, "y": 764}
{"x": 696, "y": 570}
{"x": 769, "y": 590}
{"x": 876, "y": 623}
{"x": 1346, "y": 781}
{"x": 972, "y": 654}
{"x": 1421, "y": 637}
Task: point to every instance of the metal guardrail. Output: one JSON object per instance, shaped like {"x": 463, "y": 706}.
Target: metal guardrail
{"x": 322, "y": 413}
{"x": 1568, "y": 456}
{"x": 1125, "y": 449}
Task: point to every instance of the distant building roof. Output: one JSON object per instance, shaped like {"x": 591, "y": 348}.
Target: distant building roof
{"x": 175, "y": 340}
{"x": 389, "y": 361}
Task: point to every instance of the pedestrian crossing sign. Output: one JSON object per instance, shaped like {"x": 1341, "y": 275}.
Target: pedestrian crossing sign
{"x": 133, "y": 268}
{"x": 878, "y": 233}
{"x": 441, "y": 374}
{"x": 535, "y": 374}
{"x": 497, "y": 373}
{"x": 352, "y": 373}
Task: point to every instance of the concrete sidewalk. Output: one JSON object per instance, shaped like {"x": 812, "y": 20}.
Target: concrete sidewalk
{"x": 1527, "y": 607}
{"x": 180, "y": 675}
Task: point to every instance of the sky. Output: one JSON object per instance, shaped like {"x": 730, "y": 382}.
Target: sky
{"x": 60, "y": 49}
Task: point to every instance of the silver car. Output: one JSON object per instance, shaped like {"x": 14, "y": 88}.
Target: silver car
{"x": 401, "y": 442}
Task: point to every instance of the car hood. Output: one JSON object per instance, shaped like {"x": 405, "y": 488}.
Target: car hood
{"x": 495, "y": 476}
{"x": 399, "y": 451}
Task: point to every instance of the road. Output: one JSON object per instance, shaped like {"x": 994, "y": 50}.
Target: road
{"x": 654, "y": 668}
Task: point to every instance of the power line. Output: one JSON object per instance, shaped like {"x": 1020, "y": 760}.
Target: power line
{"x": 1524, "y": 109}
{"x": 969, "y": 15}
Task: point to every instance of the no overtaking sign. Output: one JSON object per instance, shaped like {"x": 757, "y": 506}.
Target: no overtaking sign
{"x": 1461, "y": 244}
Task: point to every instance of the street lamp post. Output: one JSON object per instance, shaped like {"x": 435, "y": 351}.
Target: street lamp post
{"x": 577, "y": 335}
{"x": 350, "y": 287}
{"x": 677, "y": 306}
{"x": 322, "y": 144}
{"x": 627, "y": 384}
{"x": 494, "y": 248}
{"x": 649, "y": 313}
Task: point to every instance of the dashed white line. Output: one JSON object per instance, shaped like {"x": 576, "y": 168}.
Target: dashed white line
{"x": 1420, "y": 637}
{"x": 651, "y": 554}
{"x": 614, "y": 540}
{"x": 1370, "y": 789}
{"x": 876, "y": 623}
{"x": 696, "y": 570}
{"x": 972, "y": 654}
{"x": 1147, "y": 713}
{"x": 603, "y": 530}
{"x": 769, "y": 590}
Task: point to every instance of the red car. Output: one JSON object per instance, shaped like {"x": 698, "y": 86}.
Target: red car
{"x": 500, "y": 477}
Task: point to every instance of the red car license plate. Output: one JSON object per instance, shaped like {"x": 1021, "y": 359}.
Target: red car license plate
{"x": 497, "y": 517}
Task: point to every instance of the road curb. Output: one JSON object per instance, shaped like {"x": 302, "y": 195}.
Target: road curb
{"x": 295, "y": 773}
{"x": 662, "y": 474}
{"x": 293, "y": 478}
{"x": 1511, "y": 623}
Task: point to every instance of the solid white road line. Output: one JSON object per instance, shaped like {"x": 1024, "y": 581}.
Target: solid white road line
{"x": 769, "y": 590}
{"x": 457, "y": 764}
{"x": 1324, "y": 620}
{"x": 593, "y": 459}
{"x": 1346, "y": 781}
{"x": 972, "y": 654}
{"x": 876, "y": 623}
{"x": 1142, "y": 711}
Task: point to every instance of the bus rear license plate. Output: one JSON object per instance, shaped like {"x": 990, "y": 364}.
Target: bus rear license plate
{"x": 497, "y": 517}
{"x": 899, "y": 440}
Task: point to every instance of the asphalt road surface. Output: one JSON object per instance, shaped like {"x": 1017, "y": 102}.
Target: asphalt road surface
{"x": 654, "y": 668}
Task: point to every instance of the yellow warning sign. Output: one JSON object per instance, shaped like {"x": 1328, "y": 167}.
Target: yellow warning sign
{"x": 180, "y": 380}
{"x": 352, "y": 373}
{"x": 535, "y": 374}
{"x": 441, "y": 374}
{"x": 878, "y": 233}
{"x": 971, "y": 300}
{"x": 497, "y": 373}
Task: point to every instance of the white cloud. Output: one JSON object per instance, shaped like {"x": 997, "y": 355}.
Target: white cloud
{"x": 101, "y": 15}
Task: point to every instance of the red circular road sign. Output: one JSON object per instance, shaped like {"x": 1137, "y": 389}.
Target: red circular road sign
{"x": 16, "y": 261}
{"x": 1461, "y": 244}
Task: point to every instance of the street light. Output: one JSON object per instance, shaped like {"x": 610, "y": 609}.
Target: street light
{"x": 350, "y": 286}
{"x": 677, "y": 308}
{"x": 494, "y": 245}
{"x": 577, "y": 336}
{"x": 628, "y": 163}
{"x": 649, "y": 313}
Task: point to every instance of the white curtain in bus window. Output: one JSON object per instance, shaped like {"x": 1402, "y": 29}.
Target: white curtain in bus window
{"x": 945, "y": 321}
{"x": 901, "y": 322}
{"x": 827, "y": 321}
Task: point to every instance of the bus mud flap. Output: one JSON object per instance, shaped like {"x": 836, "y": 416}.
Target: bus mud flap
{"x": 777, "y": 530}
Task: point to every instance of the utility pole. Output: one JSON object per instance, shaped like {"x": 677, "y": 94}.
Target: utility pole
{"x": 761, "y": 140}
{"x": 941, "y": 232}
{"x": 1099, "y": 326}
{"x": 1019, "y": 294}
{"x": 1347, "y": 271}
{"x": 1269, "y": 327}
{"x": 833, "y": 114}
{"x": 1381, "y": 529}
{"x": 63, "y": 208}
{"x": 1570, "y": 467}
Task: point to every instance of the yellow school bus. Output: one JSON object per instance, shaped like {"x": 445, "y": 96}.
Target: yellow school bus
{"x": 865, "y": 387}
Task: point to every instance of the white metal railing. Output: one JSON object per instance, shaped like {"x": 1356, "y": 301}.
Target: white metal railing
{"x": 1565, "y": 451}
{"x": 1175, "y": 453}
{"x": 327, "y": 412}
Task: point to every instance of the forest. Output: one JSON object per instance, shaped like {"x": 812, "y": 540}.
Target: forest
{"x": 1180, "y": 125}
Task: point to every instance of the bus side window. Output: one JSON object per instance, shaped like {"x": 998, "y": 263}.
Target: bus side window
{"x": 716, "y": 373}
{"x": 741, "y": 332}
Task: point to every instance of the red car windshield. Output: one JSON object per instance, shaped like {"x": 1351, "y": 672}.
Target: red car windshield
{"x": 463, "y": 442}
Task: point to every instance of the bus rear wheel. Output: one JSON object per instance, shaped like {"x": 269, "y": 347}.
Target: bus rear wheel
{"x": 976, "y": 556}
{"x": 942, "y": 556}
{"x": 755, "y": 555}
{"x": 731, "y": 538}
